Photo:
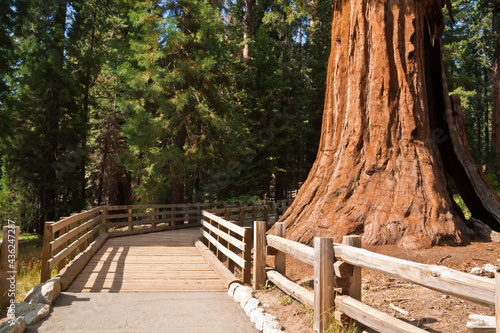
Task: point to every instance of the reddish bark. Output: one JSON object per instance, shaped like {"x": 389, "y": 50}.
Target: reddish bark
{"x": 496, "y": 78}
{"x": 379, "y": 170}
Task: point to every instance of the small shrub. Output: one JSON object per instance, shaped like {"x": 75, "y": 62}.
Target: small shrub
{"x": 267, "y": 287}
{"x": 286, "y": 300}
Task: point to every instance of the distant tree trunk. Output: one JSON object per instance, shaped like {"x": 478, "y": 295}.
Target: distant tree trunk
{"x": 385, "y": 143}
{"x": 496, "y": 78}
{"x": 52, "y": 114}
{"x": 248, "y": 29}
{"x": 177, "y": 196}
{"x": 486, "y": 123}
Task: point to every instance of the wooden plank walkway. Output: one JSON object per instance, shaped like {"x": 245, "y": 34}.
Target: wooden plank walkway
{"x": 155, "y": 262}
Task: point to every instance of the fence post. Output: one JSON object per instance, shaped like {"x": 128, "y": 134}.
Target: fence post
{"x": 105, "y": 220}
{"x": 7, "y": 268}
{"x": 64, "y": 230}
{"x": 232, "y": 248}
{"x": 266, "y": 214}
{"x": 254, "y": 213}
{"x": 83, "y": 246}
{"x": 324, "y": 291}
{"x": 46, "y": 253}
{"x": 354, "y": 286}
{"x": 153, "y": 218}
{"x": 74, "y": 238}
{"x": 174, "y": 217}
{"x": 247, "y": 255}
{"x": 130, "y": 219}
{"x": 280, "y": 257}
{"x": 242, "y": 217}
{"x": 497, "y": 301}
{"x": 259, "y": 254}
{"x": 276, "y": 208}
{"x": 211, "y": 246}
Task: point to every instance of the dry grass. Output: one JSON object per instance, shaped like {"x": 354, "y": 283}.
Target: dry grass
{"x": 29, "y": 264}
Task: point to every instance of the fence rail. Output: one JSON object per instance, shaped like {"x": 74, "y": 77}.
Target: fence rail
{"x": 346, "y": 265}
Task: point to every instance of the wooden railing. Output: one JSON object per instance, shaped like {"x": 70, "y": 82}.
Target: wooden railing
{"x": 338, "y": 266}
{"x": 65, "y": 239}
{"x": 247, "y": 213}
{"x": 137, "y": 219}
{"x": 231, "y": 243}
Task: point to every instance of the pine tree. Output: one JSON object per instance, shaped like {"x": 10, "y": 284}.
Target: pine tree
{"x": 176, "y": 82}
{"x": 41, "y": 155}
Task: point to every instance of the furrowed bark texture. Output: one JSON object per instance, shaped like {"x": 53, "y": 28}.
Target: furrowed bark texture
{"x": 379, "y": 171}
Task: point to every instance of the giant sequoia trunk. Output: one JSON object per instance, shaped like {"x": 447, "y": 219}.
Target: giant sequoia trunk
{"x": 385, "y": 145}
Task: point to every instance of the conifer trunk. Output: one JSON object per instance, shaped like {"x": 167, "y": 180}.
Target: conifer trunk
{"x": 380, "y": 168}
{"x": 247, "y": 29}
{"x": 496, "y": 78}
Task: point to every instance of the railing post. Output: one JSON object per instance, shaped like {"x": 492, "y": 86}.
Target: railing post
{"x": 174, "y": 217}
{"x": 74, "y": 238}
{"x": 254, "y": 213}
{"x": 130, "y": 219}
{"x": 62, "y": 263}
{"x": 8, "y": 270}
{"x": 211, "y": 246}
{"x": 280, "y": 257}
{"x": 105, "y": 220}
{"x": 324, "y": 288}
{"x": 46, "y": 253}
{"x": 83, "y": 246}
{"x": 232, "y": 248}
{"x": 221, "y": 241}
{"x": 242, "y": 216}
{"x": 153, "y": 217}
{"x": 259, "y": 254}
{"x": 247, "y": 255}
{"x": 354, "y": 286}
{"x": 497, "y": 301}
{"x": 276, "y": 208}
{"x": 266, "y": 214}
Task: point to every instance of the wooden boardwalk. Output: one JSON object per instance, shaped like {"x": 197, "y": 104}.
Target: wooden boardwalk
{"x": 155, "y": 262}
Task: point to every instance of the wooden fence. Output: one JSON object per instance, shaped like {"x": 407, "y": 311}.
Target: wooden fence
{"x": 231, "y": 243}
{"x": 246, "y": 213}
{"x": 65, "y": 239}
{"x": 339, "y": 266}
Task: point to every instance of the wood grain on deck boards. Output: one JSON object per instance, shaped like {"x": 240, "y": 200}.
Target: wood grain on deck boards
{"x": 157, "y": 262}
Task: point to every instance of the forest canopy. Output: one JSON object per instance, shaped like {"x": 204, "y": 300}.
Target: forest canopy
{"x": 121, "y": 101}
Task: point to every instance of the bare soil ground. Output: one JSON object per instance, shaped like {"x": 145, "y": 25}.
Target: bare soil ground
{"x": 427, "y": 309}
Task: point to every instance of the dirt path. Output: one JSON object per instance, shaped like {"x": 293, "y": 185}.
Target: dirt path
{"x": 207, "y": 312}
